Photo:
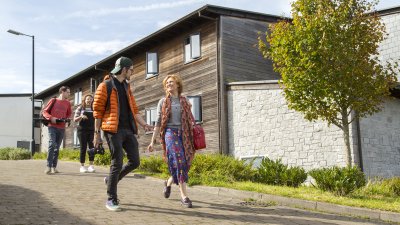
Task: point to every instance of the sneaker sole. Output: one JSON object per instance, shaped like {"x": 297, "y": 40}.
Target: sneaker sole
{"x": 113, "y": 209}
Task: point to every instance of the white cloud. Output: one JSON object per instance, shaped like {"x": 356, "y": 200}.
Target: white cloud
{"x": 129, "y": 9}
{"x": 92, "y": 48}
{"x": 22, "y": 84}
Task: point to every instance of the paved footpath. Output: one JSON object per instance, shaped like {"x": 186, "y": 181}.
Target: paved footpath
{"x": 28, "y": 196}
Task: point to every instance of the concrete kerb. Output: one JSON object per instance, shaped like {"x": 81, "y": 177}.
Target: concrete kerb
{"x": 298, "y": 203}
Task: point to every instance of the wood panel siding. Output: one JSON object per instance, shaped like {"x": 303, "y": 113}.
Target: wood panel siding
{"x": 85, "y": 85}
{"x": 240, "y": 58}
{"x": 199, "y": 78}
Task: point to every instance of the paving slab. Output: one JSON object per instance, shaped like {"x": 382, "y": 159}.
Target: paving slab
{"x": 28, "y": 196}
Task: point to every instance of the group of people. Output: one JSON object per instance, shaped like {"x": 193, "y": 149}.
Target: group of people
{"x": 113, "y": 109}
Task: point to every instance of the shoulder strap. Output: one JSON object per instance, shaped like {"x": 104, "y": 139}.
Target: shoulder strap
{"x": 109, "y": 89}
{"x": 51, "y": 105}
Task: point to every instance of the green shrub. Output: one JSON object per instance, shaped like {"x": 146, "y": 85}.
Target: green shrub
{"x": 393, "y": 185}
{"x": 103, "y": 160}
{"x": 153, "y": 164}
{"x": 215, "y": 168}
{"x": 340, "y": 181}
{"x": 381, "y": 188}
{"x": 14, "y": 154}
{"x": 276, "y": 173}
{"x": 40, "y": 155}
{"x": 69, "y": 154}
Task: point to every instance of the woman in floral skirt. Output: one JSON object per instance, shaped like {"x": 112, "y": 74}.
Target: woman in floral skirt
{"x": 175, "y": 126}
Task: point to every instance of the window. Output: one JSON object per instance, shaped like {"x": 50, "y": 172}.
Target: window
{"x": 76, "y": 139}
{"x": 151, "y": 116}
{"x": 192, "y": 48}
{"x": 93, "y": 85}
{"x": 151, "y": 64}
{"x": 196, "y": 107}
{"x": 78, "y": 96}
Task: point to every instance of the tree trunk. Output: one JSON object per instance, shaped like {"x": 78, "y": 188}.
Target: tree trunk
{"x": 346, "y": 136}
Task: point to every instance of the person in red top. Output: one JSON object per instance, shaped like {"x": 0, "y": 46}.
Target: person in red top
{"x": 60, "y": 110}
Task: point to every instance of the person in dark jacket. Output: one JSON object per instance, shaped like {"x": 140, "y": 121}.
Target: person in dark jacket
{"x": 118, "y": 116}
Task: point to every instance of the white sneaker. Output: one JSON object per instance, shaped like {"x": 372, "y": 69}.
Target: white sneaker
{"x": 83, "y": 169}
{"x": 47, "y": 170}
{"x": 91, "y": 169}
{"x": 54, "y": 170}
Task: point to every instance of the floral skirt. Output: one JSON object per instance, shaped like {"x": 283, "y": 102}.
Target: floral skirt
{"x": 177, "y": 165}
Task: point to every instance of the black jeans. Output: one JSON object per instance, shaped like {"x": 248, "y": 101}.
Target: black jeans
{"x": 85, "y": 139}
{"x": 123, "y": 139}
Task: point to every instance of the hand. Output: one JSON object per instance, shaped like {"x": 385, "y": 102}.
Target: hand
{"x": 97, "y": 140}
{"x": 150, "y": 147}
{"x": 84, "y": 117}
{"x": 53, "y": 120}
{"x": 148, "y": 128}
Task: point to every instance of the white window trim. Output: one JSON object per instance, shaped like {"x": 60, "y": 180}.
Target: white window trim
{"x": 76, "y": 139}
{"x": 152, "y": 74}
{"x": 78, "y": 96}
{"x": 198, "y": 120}
{"x": 190, "y": 48}
{"x": 148, "y": 120}
{"x": 93, "y": 89}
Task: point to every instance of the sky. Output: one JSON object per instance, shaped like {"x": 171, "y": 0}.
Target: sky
{"x": 71, "y": 35}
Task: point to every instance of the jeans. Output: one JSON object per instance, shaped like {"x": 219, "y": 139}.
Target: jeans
{"x": 123, "y": 139}
{"x": 85, "y": 139}
{"x": 56, "y": 136}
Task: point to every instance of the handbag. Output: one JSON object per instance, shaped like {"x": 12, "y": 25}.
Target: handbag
{"x": 199, "y": 138}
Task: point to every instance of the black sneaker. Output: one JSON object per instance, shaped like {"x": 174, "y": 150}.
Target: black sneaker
{"x": 167, "y": 190}
{"x": 186, "y": 202}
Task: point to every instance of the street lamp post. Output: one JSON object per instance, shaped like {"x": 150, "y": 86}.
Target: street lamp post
{"x": 32, "y": 143}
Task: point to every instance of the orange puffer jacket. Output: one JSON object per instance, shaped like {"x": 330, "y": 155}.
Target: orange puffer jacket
{"x": 110, "y": 117}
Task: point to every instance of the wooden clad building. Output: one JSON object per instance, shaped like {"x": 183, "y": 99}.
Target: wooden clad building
{"x": 207, "y": 48}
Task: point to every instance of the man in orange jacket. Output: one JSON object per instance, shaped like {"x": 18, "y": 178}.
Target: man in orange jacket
{"x": 118, "y": 117}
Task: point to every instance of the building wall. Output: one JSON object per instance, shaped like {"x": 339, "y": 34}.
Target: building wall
{"x": 380, "y": 138}
{"x": 68, "y": 142}
{"x": 260, "y": 124}
{"x": 240, "y": 58}
{"x": 16, "y": 120}
{"x": 199, "y": 78}
{"x": 390, "y": 47}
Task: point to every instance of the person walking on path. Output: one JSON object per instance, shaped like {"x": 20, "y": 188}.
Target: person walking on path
{"x": 118, "y": 116}
{"x": 84, "y": 116}
{"x": 175, "y": 126}
{"x": 57, "y": 111}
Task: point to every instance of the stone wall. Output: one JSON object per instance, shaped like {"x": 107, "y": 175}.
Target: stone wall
{"x": 390, "y": 47}
{"x": 380, "y": 138}
{"x": 260, "y": 124}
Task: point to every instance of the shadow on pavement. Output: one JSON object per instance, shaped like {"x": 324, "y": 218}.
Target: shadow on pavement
{"x": 23, "y": 206}
{"x": 259, "y": 215}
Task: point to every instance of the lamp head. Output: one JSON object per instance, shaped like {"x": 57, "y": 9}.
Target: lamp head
{"x": 14, "y": 32}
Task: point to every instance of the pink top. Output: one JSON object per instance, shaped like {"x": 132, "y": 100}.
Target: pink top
{"x": 60, "y": 110}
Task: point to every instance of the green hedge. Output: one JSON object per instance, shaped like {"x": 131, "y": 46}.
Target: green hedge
{"x": 276, "y": 173}
{"x": 14, "y": 154}
{"x": 339, "y": 180}
{"x": 215, "y": 168}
